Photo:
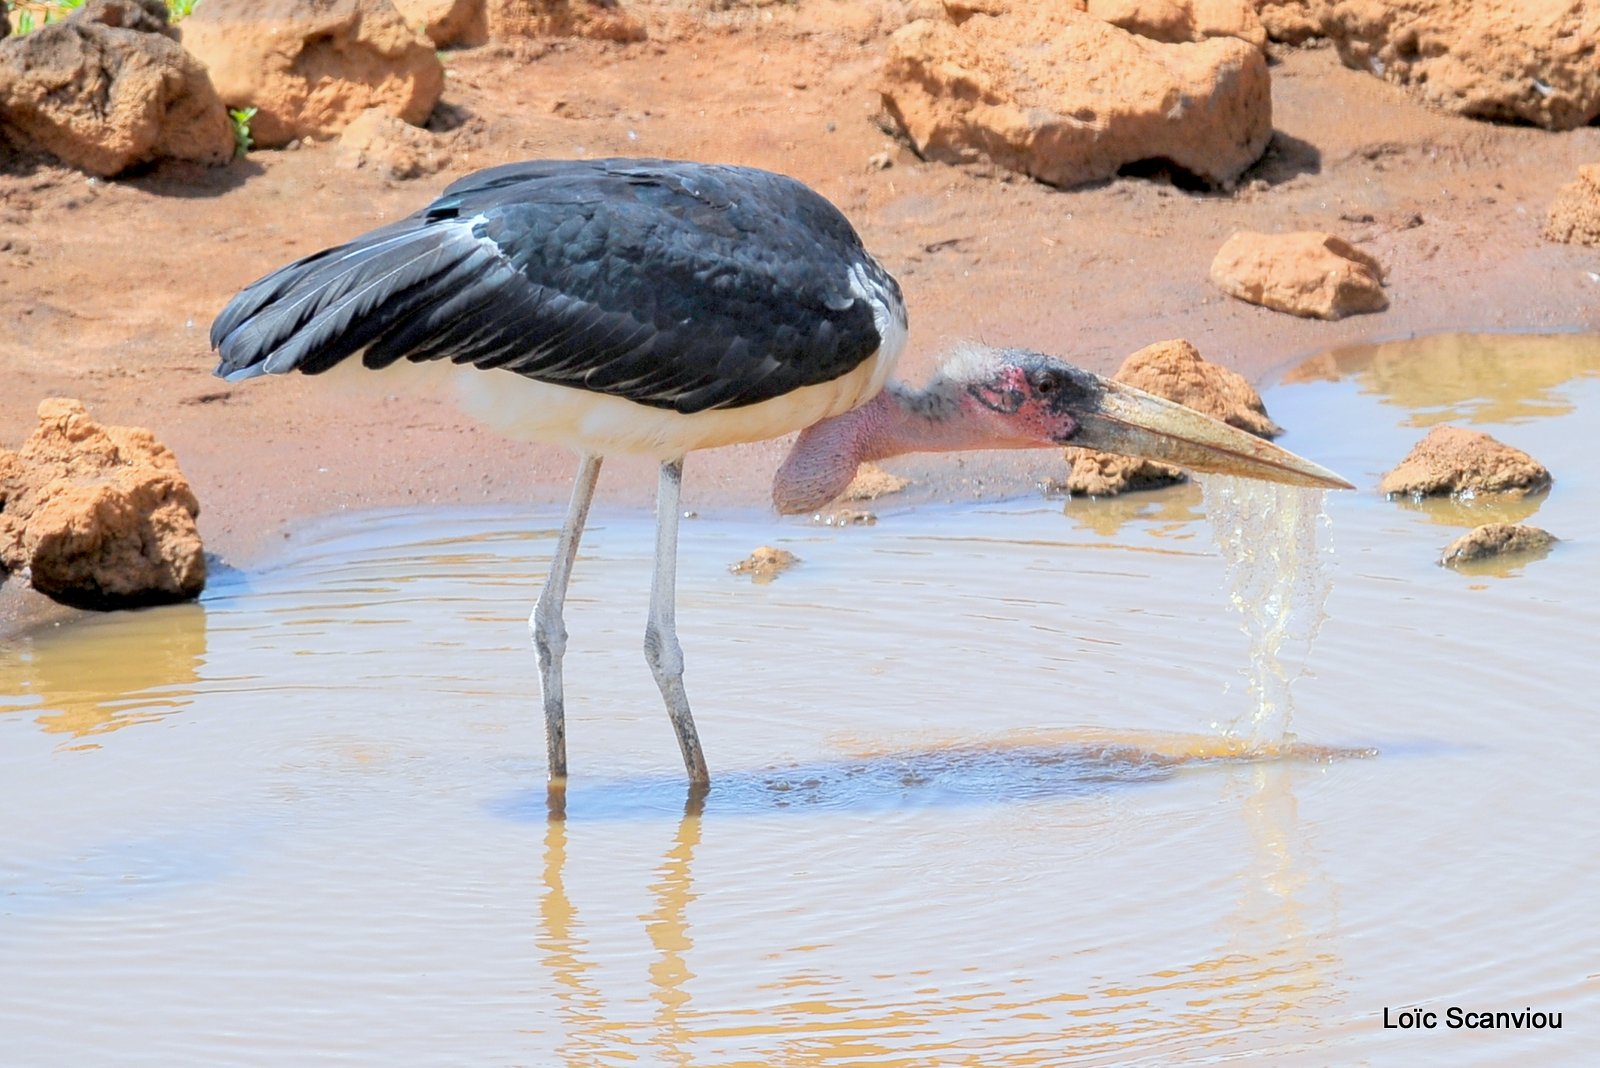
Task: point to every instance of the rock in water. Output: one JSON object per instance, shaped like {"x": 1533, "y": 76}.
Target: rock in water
{"x": 1452, "y": 460}
{"x": 1174, "y": 370}
{"x": 765, "y": 564}
{"x": 98, "y": 516}
{"x": 1497, "y": 539}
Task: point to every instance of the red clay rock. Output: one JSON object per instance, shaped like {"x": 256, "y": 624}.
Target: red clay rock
{"x": 1091, "y": 473}
{"x": 1454, "y": 460}
{"x": 1067, "y": 98}
{"x": 447, "y": 23}
{"x": 309, "y": 67}
{"x": 871, "y": 482}
{"x": 1174, "y": 370}
{"x": 378, "y": 141}
{"x": 1575, "y": 213}
{"x": 1309, "y": 273}
{"x": 765, "y": 564}
{"x": 1497, "y": 539}
{"x": 106, "y": 89}
{"x": 1527, "y": 61}
{"x": 98, "y": 516}
{"x": 1290, "y": 21}
{"x": 1178, "y": 21}
{"x": 603, "y": 20}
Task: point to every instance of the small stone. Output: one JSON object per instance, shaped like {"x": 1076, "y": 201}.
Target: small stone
{"x": 447, "y": 23}
{"x": 107, "y": 88}
{"x": 601, "y": 20}
{"x": 1310, "y": 274}
{"x": 1456, "y": 461}
{"x": 872, "y": 482}
{"x": 1176, "y": 371}
{"x": 310, "y": 68}
{"x": 1053, "y": 92}
{"x": 98, "y": 516}
{"x": 397, "y": 150}
{"x": 1104, "y": 474}
{"x": 1497, "y": 539}
{"x": 1173, "y": 370}
{"x": 1574, "y": 216}
{"x": 765, "y": 564}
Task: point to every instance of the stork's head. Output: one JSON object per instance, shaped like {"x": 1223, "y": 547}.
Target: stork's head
{"x": 1017, "y": 398}
{"x": 987, "y": 398}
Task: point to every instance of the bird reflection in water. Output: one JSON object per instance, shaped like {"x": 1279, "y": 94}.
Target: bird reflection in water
{"x": 1273, "y": 958}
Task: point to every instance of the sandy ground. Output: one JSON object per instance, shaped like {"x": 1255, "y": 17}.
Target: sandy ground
{"x": 107, "y": 289}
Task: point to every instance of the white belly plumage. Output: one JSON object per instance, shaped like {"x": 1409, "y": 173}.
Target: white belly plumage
{"x": 528, "y": 410}
{"x": 537, "y": 411}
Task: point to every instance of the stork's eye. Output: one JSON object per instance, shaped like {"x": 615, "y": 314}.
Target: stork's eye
{"x": 1047, "y": 383}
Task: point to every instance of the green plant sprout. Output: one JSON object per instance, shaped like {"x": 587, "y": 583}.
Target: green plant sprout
{"x": 242, "y": 142}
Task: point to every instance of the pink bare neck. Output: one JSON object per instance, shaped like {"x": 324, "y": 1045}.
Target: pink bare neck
{"x": 897, "y": 421}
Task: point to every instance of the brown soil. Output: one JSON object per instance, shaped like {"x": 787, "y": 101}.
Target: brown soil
{"x": 107, "y": 289}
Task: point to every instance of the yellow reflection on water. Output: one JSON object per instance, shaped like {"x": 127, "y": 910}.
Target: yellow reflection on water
{"x": 1463, "y": 378}
{"x": 1272, "y": 965}
{"x": 108, "y": 673}
{"x": 1475, "y": 511}
{"x": 1169, "y": 510}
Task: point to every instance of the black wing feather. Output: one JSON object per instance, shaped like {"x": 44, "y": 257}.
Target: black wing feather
{"x": 676, "y": 285}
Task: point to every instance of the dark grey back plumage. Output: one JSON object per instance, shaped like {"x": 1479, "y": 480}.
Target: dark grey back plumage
{"x": 676, "y": 285}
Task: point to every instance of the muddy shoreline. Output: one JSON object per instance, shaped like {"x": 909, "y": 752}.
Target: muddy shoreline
{"x": 107, "y": 288}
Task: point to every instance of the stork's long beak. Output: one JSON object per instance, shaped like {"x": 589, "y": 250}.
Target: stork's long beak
{"x": 1132, "y": 422}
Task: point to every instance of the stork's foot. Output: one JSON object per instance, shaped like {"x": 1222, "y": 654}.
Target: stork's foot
{"x": 665, "y": 657}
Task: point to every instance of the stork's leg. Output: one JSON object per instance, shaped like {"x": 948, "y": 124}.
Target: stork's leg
{"x": 546, "y": 623}
{"x": 661, "y": 646}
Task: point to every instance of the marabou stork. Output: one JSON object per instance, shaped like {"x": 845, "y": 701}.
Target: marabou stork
{"x": 657, "y": 307}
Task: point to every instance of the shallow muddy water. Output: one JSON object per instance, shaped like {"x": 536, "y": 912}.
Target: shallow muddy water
{"x": 975, "y": 803}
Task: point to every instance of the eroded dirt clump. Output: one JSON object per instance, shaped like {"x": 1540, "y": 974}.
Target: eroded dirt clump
{"x": 1505, "y": 60}
{"x": 310, "y": 69}
{"x": 1574, "y": 216}
{"x": 871, "y": 482}
{"x": 447, "y": 23}
{"x": 1180, "y": 21}
{"x": 603, "y": 20}
{"x": 1176, "y": 371}
{"x": 1311, "y": 274}
{"x": 1054, "y": 92}
{"x": 107, "y": 89}
{"x": 765, "y": 564}
{"x": 98, "y": 516}
{"x": 1455, "y": 461}
{"x": 392, "y": 147}
{"x": 1497, "y": 539}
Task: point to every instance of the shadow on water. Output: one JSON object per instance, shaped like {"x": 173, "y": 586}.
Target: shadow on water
{"x": 1019, "y": 770}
